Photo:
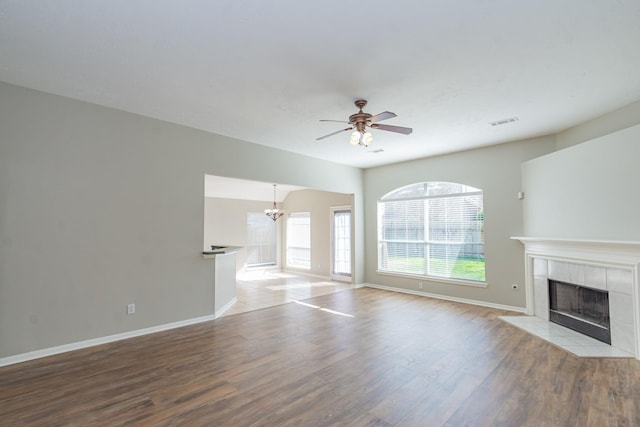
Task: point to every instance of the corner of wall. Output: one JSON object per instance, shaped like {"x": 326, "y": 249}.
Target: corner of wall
{"x": 613, "y": 121}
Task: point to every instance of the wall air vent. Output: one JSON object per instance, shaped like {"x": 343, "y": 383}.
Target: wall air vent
{"x": 504, "y": 121}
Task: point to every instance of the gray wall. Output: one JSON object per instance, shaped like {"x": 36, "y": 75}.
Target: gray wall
{"x": 495, "y": 170}
{"x": 319, "y": 204}
{"x": 100, "y": 208}
{"x": 586, "y": 191}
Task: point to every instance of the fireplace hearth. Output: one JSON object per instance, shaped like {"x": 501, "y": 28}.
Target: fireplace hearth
{"x": 580, "y": 308}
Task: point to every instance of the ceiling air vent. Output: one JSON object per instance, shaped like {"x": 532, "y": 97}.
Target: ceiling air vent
{"x": 504, "y": 121}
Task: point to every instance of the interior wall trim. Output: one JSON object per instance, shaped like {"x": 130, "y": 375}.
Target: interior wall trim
{"x": 226, "y": 307}
{"x": 304, "y": 273}
{"x": 448, "y": 298}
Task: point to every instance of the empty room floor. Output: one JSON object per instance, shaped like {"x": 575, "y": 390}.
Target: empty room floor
{"x": 259, "y": 289}
{"x": 359, "y": 357}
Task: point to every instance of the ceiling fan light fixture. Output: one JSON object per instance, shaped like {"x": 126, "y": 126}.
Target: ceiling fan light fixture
{"x": 360, "y": 121}
{"x": 367, "y": 139}
{"x": 355, "y": 138}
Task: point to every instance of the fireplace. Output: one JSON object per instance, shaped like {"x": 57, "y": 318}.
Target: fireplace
{"x": 580, "y": 308}
{"x": 612, "y": 267}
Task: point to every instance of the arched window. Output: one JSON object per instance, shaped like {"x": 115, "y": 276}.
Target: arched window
{"x": 432, "y": 229}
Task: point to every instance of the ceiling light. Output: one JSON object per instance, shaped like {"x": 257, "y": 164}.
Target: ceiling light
{"x": 273, "y": 213}
{"x": 360, "y": 121}
{"x": 367, "y": 138}
{"x": 355, "y": 138}
{"x": 361, "y": 136}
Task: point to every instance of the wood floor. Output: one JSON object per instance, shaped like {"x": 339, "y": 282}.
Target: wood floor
{"x": 360, "y": 357}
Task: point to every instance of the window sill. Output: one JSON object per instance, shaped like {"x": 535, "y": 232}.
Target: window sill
{"x": 435, "y": 279}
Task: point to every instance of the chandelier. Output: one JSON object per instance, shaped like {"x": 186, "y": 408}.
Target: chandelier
{"x": 273, "y": 213}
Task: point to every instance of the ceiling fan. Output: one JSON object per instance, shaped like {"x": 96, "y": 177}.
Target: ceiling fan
{"x": 361, "y": 121}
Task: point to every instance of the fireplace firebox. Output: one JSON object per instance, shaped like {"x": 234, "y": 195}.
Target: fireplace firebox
{"x": 580, "y": 308}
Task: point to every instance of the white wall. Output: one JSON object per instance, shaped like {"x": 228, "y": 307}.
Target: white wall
{"x": 319, "y": 204}
{"x": 100, "y": 208}
{"x": 495, "y": 170}
{"x": 586, "y": 191}
{"x": 225, "y": 223}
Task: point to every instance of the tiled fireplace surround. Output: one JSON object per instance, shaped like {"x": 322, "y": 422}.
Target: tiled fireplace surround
{"x": 604, "y": 265}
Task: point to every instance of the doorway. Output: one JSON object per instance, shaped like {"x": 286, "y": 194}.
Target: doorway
{"x": 341, "y": 258}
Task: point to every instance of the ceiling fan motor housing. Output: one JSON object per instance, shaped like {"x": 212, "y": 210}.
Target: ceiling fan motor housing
{"x": 360, "y": 119}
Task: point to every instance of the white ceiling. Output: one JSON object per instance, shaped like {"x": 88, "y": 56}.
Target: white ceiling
{"x": 267, "y": 71}
{"x": 231, "y": 188}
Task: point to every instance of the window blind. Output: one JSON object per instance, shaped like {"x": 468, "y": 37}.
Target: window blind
{"x": 299, "y": 240}
{"x": 261, "y": 240}
{"x": 432, "y": 229}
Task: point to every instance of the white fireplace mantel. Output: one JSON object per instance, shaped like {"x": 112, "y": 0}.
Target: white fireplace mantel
{"x": 609, "y": 265}
{"x": 600, "y": 251}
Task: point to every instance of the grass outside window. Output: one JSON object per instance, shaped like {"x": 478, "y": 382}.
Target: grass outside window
{"x": 465, "y": 269}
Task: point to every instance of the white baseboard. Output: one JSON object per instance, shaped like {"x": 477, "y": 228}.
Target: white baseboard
{"x": 37, "y": 354}
{"x": 302, "y": 273}
{"x": 226, "y": 307}
{"x": 447, "y": 298}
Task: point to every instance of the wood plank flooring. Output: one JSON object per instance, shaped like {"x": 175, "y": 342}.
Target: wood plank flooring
{"x": 360, "y": 357}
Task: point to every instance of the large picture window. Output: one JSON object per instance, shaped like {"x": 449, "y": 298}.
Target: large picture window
{"x": 299, "y": 240}
{"x": 432, "y": 229}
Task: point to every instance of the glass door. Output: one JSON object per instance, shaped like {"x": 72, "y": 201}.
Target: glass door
{"x": 341, "y": 244}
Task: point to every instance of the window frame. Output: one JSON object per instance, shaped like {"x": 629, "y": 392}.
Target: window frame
{"x": 336, "y": 244}
{"x": 425, "y": 240}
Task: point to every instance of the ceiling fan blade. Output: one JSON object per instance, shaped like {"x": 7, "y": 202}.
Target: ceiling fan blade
{"x": 382, "y": 116}
{"x": 397, "y": 129}
{"x": 336, "y": 121}
{"x": 333, "y": 133}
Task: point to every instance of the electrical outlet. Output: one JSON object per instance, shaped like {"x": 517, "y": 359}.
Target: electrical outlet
{"x": 420, "y": 285}
{"x": 131, "y": 308}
